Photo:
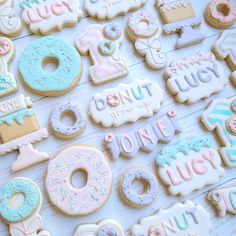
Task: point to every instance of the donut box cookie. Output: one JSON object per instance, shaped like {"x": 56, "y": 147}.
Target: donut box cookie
{"x": 105, "y": 227}
{"x": 220, "y": 116}
{"x": 109, "y": 9}
{"x": 78, "y": 201}
{"x": 195, "y": 77}
{"x": 22, "y": 219}
{"x": 45, "y": 16}
{"x": 179, "y": 17}
{"x": 146, "y": 38}
{"x": 146, "y": 138}
{"x": 182, "y": 219}
{"x": 224, "y": 200}
{"x": 43, "y": 51}
{"x": 102, "y": 43}
{"x": 10, "y": 25}
{"x": 126, "y": 103}
{"x": 61, "y": 130}
{"x": 8, "y": 83}
{"x": 189, "y": 165}
{"x": 19, "y": 129}
{"x": 220, "y": 14}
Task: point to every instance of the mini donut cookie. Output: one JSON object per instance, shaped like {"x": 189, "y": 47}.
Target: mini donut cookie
{"x": 104, "y": 228}
{"x": 130, "y": 196}
{"x": 46, "y": 50}
{"x": 220, "y": 13}
{"x": 59, "y": 129}
{"x": 112, "y": 31}
{"x": 78, "y": 201}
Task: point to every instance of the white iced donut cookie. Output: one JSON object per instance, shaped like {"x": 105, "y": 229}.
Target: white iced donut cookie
{"x": 78, "y": 201}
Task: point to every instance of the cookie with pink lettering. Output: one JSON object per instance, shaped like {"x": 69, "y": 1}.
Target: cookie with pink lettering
{"x": 44, "y": 17}
{"x": 146, "y": 138}
{"x": 220, "y": 13}
{"x": 196, "y": 77}
{"x": 103, "y": 228}
{"x": 181, "y": 219}
{"x": 102, "y": 42}
{"x": 224, "y": 200}
{"x": 126, "y": 103}
{"x": 189, "y": 165}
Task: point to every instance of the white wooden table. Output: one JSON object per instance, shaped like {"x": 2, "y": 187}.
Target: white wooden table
{"x": 61, "y": 225}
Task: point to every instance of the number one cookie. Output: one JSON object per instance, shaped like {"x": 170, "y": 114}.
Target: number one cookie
{"x": 8, "y": 83}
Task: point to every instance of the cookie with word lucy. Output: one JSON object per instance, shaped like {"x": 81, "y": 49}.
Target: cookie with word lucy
{"x": 189, "y": 165}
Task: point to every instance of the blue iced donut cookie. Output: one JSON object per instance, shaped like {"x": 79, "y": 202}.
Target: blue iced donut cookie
{"x": 31, "y": 200}
{"x": 50, "y": 50}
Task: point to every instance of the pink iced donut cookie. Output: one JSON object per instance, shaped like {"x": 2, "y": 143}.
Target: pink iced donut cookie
{"x": 220, "y": 13}
{"x": 87, "y": 199}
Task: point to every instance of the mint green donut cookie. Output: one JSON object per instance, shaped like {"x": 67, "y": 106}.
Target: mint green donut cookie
{"x": 47, "y": 50}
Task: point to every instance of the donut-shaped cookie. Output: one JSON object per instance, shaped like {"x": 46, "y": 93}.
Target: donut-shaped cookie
{"x": 47, "y": 50}
{"x": 220, "y": 13}
{"x": 106, "y": 47}
{"x": 78, "y": 201}
{"x": 149, "y": 181}
{"x": 61, "y": 130}
{"x": 31, "y": 200}
{"x": 112, "y": 31}
{"x": 231, "y": 125}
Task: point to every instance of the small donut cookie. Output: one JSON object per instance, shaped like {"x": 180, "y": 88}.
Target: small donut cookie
{"x": 61, "y": 130}
{"x": 130, "y": 196}
{"x": 220, "y": 13}
{"x": 78, "y": 201}
{"x": 112, "y": 31}
{"x": 46, "y": 50}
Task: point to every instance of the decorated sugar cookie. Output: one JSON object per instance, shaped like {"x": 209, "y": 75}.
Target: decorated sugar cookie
{"x": 179, "y": 17}
{"x": 102, "y": 43}
{"x": 220, "y": 116}
{"x": 105, "y": 227}
{"x": 45, "y": 16}
{"x": 141, "y": 98}
{"x": 19, "y": 129}
{"x": 182, "y": 219}
{"x": 47, "y": 50}
{"x": 146, "y": 38}
{"x": 196, "y": 77}
{"x": 128, "y": 193}
{"x": 8, "y": 83}
{"x": 61, "y": 130}
{"x": 22, "y": 219}
{"x": 224, "y": 200}
{"x": 78, "y": 201}
{"x": 109, "y": 9}
{"x": 220, "y": 13}
{"x": 146, "y": 138}
{"x": 189, "y": 166}
{"x": 10, "y": 25}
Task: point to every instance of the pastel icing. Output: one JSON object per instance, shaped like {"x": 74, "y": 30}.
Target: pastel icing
{"x": 78, "y": 201}
{"x": 58, "y": 82}
{"x": 170, "y": 5}
{"x": 112, "y": 31}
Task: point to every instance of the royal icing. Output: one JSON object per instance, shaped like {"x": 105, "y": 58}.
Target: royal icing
{"x": 195, "y": 77}
{"x": 146, "y": 38}
{"x": 8, "y": 83}
{"x": 107, "y": 66}
{"x": 58, "y": 82}
{"x": 10, "y": 25}
{"x": 126, "y": 103}
{"x": 182, "y": 219}
{"x": 190, "y": 165}
{"x": 146, "y": 138}
{"x": 104, "y": 228}
{"x": 216, "y": 117}
{"x": 109, "y": 9}
{"x": 24, "y": 219}
{"x": 44, "y": 16}
{"x": 224, "y": 200}
{"x": 150, "y": 187}
{"x": 78, "y": 201}
{"x": 66, "y": 131}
